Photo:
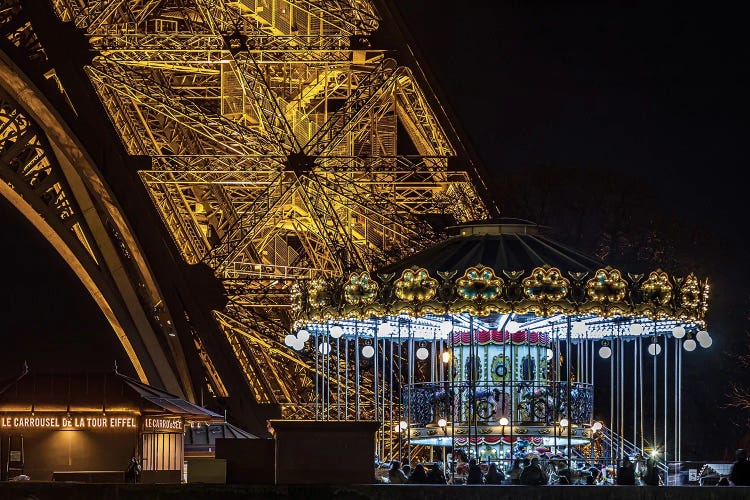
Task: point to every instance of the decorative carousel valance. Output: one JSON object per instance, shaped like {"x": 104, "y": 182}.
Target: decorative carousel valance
{"x": 559, "y": 281}
{"x": 479, "y": 291}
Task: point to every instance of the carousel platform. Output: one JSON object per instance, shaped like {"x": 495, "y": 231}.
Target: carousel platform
{"x": 70, "y": 491}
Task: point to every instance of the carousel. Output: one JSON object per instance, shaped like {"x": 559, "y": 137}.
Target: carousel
{"x": 490, "y": 343}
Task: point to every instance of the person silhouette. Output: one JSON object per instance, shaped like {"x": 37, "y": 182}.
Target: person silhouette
{"x": 739, "y": 475}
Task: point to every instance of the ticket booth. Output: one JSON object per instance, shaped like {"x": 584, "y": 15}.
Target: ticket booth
{"x": 89, "y": 427}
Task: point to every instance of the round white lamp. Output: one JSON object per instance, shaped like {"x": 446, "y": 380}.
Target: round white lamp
{"x": 678, "y": 332}
{"x": 336, "y": 332}
{"x": 636, "y": 329}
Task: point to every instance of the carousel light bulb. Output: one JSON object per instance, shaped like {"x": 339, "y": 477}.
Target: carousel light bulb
{"x": 422, "y": 353}
{"x": 636, "y": 329}
{"x": 654, "y": 349}
{"x": 324, "y": 348}
{"x": 336, "y": 332}
{"x": 512, "y": 327}
{"x": 385, "y": 329}
{"x": 442, "y": 422}
{"x": 689, "y": 345}
{"x": 701, "y": 336}
{"x": 579, "y": 328}
{"x": 446, "y": 327}
{"x": 289, "y": 340}
{"x": 563, "y": 422}
{"x": 550, "y": 354}
{"x": 706, "y": 342}
{"x": 605, "y": 351}
{"x": 597, "y": 426}
{"x": 503, "y": 421}
{"x": 303, "y": 335}
{"x": 298, "y": 345}
{"x": 446, "y": 356}
{"x": 368, "y": 351}
{"x": 403, "y": 425}
{"x": 678, "y": 332}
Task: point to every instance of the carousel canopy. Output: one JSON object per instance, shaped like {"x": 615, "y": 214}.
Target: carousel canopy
{"x": 512, "y": 245}
{"x": 492, "y": 274}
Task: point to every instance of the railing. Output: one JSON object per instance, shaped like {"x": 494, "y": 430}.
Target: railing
{"x": 521, "y": 402}
{"x": 619, "y": 447}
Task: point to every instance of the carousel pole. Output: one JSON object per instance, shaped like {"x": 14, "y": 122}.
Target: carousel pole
{"x": 382, "y": 402}
{"x": 473, "y": 380}
{"x": 346, "y": 378}
{"x": 453, "y": 402}
{"x": 593, "y": 360}
{"x": 556, "y": 409}
{"x": 635, "y": 390}
{"x": 612, "y": 401}
{"x": 622, "y": 398}
{"x": 410, "y": 375}
{"x": 400, "y": 389}
{"x": 653, "y": 445}
{"x": 679, "y": 418}
{"x": 676, "y": 453}
{"x": 568, "y": 385}
{"x": 640, "y": 393}
{"x": 666, "y": 358}
{"x": 356, "y": 370}
{"x": 513, "y": 390}
{"x": 433, "y": 357}
{"x": 317, "y": 379}
{"x": 375, "y": 374}
{"x": 390, "y": 398}
{"x": 326, "y": 360}
{"x": 338, "y": 379}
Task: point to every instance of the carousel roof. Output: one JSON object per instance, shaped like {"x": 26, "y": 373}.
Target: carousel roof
{"x": 511, "y": 244}
{"x": 498, "y": 270}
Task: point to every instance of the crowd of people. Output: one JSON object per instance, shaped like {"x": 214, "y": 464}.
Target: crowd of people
{"x": 403, "y": 473}
{"x": 526, "y": 471}
{"x": 531, "y": 472}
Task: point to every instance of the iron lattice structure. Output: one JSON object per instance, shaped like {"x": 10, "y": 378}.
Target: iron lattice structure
{"x": 283, "y": 146}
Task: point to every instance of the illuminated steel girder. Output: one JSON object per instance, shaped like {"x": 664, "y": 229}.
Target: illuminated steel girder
{"x": 284, "y": 147}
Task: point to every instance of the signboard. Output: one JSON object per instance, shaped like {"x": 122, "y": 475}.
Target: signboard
{"x": 67, "y": 421}
{"x": 692, "y": 475}
{"x": 163, "y": 424}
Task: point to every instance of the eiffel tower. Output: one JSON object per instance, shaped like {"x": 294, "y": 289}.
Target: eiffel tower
{"x": 192, "y": 160}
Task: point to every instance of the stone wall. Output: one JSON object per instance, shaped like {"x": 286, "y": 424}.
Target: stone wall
{"x": 72, "y": 491}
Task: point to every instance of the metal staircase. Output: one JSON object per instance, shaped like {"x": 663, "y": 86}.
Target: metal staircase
{"x": 619, "y": 447}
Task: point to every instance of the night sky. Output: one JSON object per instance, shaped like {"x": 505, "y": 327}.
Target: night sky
{"x": 651, "y": 89}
